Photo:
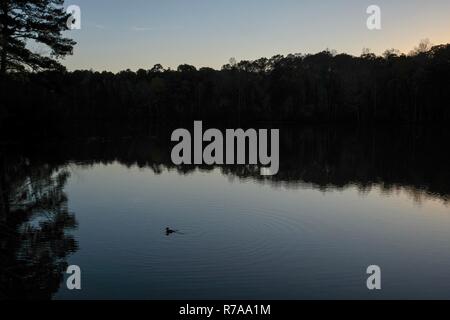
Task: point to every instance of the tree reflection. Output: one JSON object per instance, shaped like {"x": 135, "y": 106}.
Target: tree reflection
{"x": 34, "y": 221}
{"x": 413, "y": 159}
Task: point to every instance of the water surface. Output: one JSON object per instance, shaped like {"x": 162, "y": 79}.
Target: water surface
{"x": 343, "y": 200}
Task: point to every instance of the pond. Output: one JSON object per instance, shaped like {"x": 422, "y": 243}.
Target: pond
{"x": 344, "y": 199}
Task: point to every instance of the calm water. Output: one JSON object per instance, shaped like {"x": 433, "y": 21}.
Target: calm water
{"x": 343, "y": 200}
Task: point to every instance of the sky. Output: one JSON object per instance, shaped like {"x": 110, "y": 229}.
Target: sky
{"x": 131, "y": 34}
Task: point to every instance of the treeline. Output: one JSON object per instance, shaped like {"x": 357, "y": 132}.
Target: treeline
{"x": 323, "y": 87}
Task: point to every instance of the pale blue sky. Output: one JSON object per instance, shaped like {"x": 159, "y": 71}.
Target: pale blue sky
{"x": 119, "y": 34}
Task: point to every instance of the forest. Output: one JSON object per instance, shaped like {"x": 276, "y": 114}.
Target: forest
{"x": 326, "y": 87}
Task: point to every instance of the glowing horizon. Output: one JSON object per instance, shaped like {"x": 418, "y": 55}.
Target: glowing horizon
{"x": 116, "y": 35}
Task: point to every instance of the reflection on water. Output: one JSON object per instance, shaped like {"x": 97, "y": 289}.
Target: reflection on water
{"x": 343, "y": 199}
{"x": 34, "y": 221}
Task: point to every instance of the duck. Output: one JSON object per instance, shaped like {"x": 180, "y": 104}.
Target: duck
{"x": 170, "y": 231}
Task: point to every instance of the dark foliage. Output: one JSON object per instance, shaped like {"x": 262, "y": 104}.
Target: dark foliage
{"x": 39, "y": 22}
{"x": 324, "y": 87}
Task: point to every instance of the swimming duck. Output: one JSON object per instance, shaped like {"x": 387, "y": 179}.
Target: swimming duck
{"x": 170, "y": 231}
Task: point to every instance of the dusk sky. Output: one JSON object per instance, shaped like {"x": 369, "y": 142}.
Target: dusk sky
{"x": 117, "y": 34}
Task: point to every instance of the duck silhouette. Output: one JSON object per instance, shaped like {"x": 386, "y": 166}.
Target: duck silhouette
{"x": 170, "y": 231}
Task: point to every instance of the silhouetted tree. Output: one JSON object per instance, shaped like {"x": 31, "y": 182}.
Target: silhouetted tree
{"x": 38, "y": 21}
